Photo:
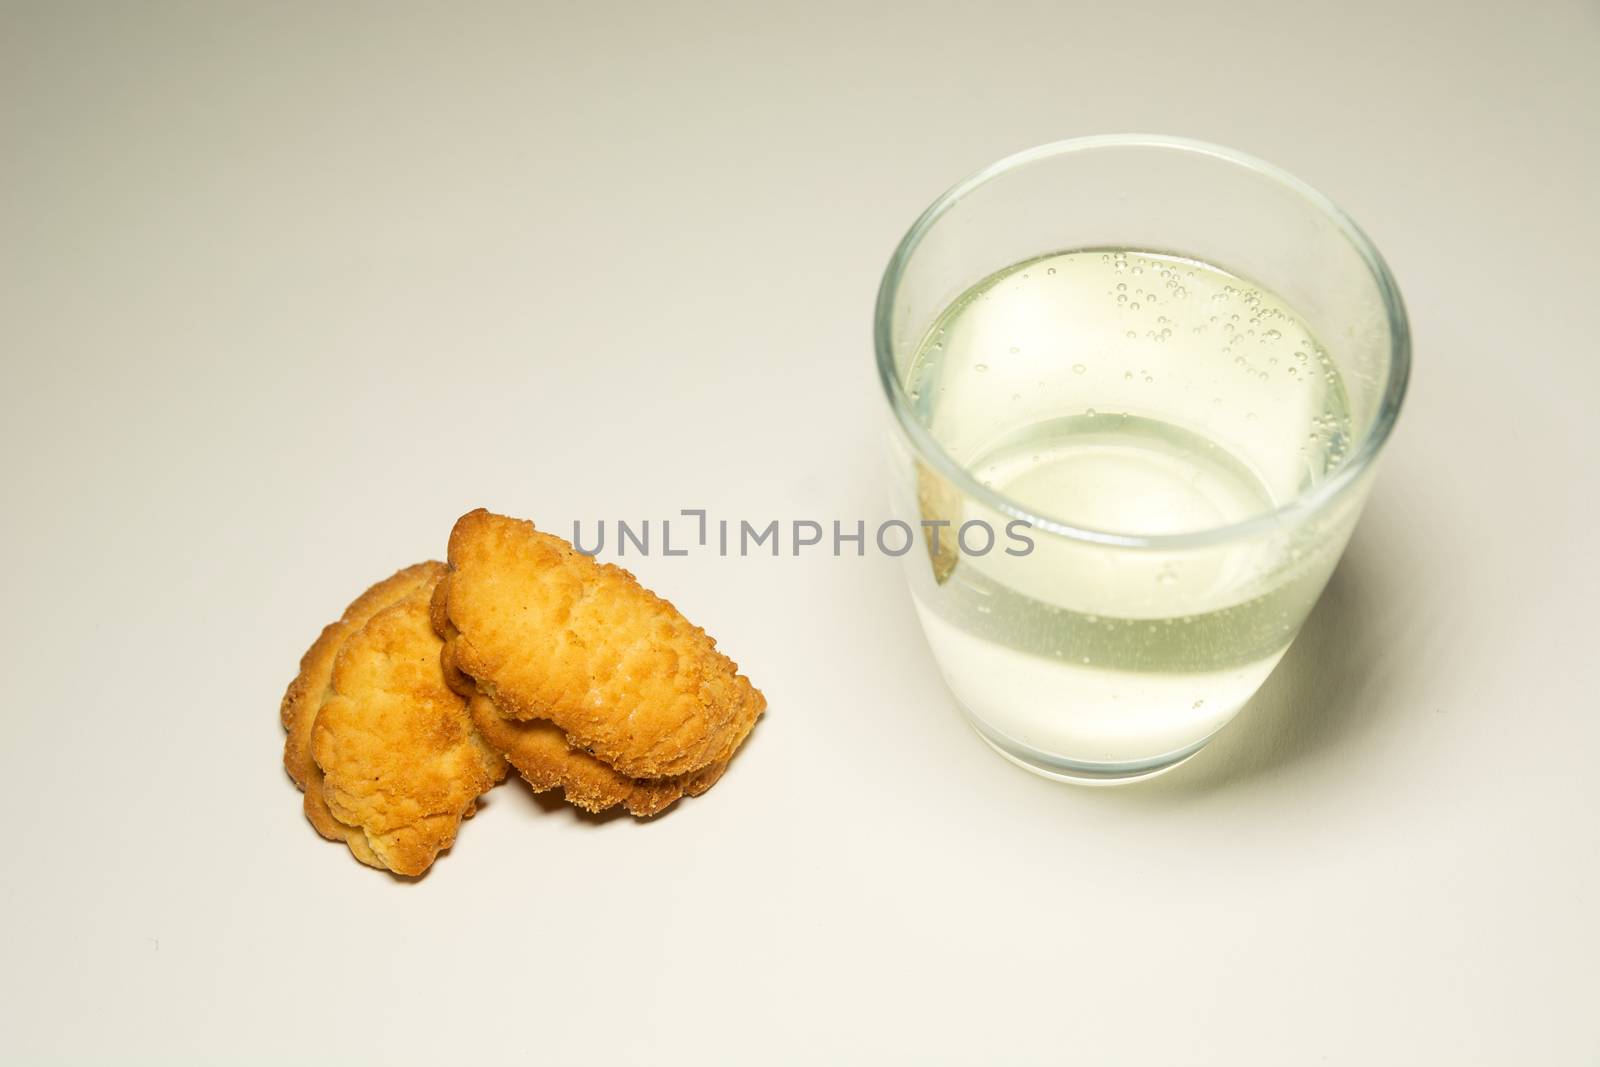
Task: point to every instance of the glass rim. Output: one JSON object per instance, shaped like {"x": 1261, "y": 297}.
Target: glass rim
{"x": 1303, "y": 505}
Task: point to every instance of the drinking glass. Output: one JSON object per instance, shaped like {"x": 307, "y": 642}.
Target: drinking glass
{"x": 1104, "y": 651}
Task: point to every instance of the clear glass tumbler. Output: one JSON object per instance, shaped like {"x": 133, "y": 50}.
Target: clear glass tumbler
{"x": 1137, "y": 387}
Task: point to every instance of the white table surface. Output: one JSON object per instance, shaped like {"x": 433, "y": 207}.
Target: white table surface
{"x": 286, "y": 288}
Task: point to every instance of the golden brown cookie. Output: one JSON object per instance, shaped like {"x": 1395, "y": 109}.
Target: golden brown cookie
{"x": 539, "y": 751}
{"x": 385, "y": 751}
{"x": 305, "y": 694}
{"x": 549, "y": 633}
{"x": 400, "y": 758}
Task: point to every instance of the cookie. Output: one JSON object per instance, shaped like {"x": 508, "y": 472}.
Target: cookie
{"x": 549, "y": 633}
{"x": 305, "y": 694}
{"x": 394, "y": 761}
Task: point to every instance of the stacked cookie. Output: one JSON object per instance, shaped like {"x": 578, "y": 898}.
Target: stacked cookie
{"x": 524, "y": 650}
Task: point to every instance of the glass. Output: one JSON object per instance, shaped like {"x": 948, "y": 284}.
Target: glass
{"x": 1137, "y": 386}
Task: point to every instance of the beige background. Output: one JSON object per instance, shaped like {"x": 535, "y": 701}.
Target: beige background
{"x": 285, "y": 288}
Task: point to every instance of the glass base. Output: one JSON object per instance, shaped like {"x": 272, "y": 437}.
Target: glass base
{"x": 1077, "y": 772}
